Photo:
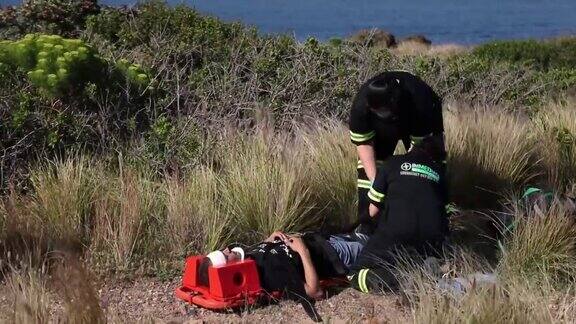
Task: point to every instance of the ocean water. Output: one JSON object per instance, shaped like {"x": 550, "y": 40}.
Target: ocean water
{"x": 442, "y": 21}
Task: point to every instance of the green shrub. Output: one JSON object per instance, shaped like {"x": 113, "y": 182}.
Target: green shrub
{"x": 60, "y": 65}
{"x": 53, "y": 63}
{"x": 543, "y": 55}
{"x": 63, "y": 17}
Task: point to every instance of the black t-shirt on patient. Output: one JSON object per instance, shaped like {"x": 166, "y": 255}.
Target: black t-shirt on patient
{"x": 279, "y": 267}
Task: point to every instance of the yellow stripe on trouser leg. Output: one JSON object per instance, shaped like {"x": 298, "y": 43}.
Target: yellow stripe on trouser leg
{"x": 362, "y": 280}
{"x": 366, "y": 184}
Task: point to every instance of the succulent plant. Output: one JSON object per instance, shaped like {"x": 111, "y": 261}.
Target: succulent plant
{"x": 55, "y": 64}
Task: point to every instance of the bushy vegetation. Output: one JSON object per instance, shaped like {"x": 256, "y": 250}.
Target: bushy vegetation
{"x": 542, "y": 55}
{"x": 63, "y": 17}
{"x": 207, "y": 74}
{"x": 174, "y": 133}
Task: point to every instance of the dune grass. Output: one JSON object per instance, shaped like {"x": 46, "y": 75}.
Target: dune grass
{"x": 119, "y": 216}
{"x": 489, "y": 152}
{"x": 253, "y": 184}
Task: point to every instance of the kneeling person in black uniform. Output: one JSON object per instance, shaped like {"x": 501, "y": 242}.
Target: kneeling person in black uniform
{"x": 408, "y": 200}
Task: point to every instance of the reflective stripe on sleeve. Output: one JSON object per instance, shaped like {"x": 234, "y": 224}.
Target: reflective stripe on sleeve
{"x": 357, "y": 137}
{"x": 375, "y": 195}
{"x": 366, "y": 184}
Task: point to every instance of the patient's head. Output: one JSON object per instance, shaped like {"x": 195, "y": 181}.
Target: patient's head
{"x": 433, "y": 147}
{"x": 216, "y": 259}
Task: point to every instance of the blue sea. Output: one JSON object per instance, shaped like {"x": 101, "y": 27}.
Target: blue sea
{"x": 442, "y": 21}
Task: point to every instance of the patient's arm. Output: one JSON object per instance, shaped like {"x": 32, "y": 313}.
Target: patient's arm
{"x": 311, "y": 284}
{"x": 276, "y": 234}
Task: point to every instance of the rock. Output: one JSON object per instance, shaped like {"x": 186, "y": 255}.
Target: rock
{"x": 374, "y": 38}
{"x": 418, "y": 39}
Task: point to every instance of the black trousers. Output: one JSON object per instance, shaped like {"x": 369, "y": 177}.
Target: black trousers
{"x": 367, "y": 224}
{"x": 377, "y": 272}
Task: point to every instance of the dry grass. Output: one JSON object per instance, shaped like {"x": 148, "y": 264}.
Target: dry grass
{"x": 556, "y": 130}
{"x": 121, "y": 217}
{"x": 122, "y": 214}
{"x": 30, "y": 295}
{"x": 195, "y": 218}
{"x": 63, "y": 194}
{"x": 489, "y": 153}
{"x": 264, "y": 187}
{"x": 332, "y": 171}
{"x": 415, "y": 48}
{"x": 541, "y": 245}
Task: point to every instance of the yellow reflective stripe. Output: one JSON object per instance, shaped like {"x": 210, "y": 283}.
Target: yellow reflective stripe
{"x": 375, "y": 195}
{"x": 373, "y": 198}
{"x": 366, "y": 184}
{"x": 362, "y": 280}
{"x": 362, "y": 137}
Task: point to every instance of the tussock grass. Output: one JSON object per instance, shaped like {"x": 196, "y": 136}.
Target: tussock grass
{"x": 510, "y": 299}
{"x": 489, "y": 152}
{"x": 541, "y": 245}
{"x": 123, "y": 215}
{"x": 264, "y": 187}
{"x": 332, "y": 171}
{"x": 483, "y": 305}
{"x": 63, "y": 193}
{"x": 555, "y": 128}
{"x": 30, "y": 295}
{"x": 196, "y": 220}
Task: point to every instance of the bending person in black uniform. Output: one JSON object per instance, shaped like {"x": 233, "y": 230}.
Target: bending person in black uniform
{"x": 408, "y": 199}
{"x": 389, "y": 107}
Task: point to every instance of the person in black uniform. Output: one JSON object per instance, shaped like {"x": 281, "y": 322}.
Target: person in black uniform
{"x": 408, "y": 198}
{"x": 389, "y": 107}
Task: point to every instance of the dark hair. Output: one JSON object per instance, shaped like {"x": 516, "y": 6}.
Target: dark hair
{"x": 202, "y": 274}
{"x": 384, "y": 94}
{"x": 433, "y": 146}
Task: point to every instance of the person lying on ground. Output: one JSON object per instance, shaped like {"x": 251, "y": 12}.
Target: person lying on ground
{"x": 293, "y": 264}
{"x": 408, "y": 200}
{"x": 539, "y": 200}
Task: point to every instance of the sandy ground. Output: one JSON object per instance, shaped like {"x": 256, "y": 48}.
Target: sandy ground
{"x": 152, "y": 300}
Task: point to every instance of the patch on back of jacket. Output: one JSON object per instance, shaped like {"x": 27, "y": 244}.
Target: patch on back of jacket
{"x": 419, "y": 170}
